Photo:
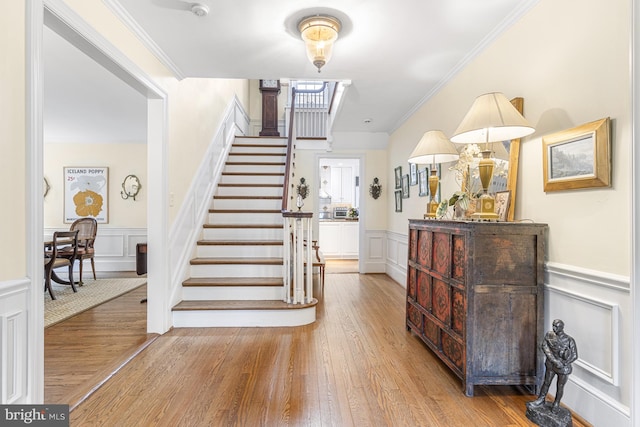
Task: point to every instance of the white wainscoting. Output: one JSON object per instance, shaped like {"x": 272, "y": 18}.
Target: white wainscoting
{"x": 187, "y": 226}
{"x": 397, "y": 254}
{"x": 115, "y": 248}
{"x": 13, "y": 340}
{"x": 373, "y": 252}
{"x": 596, "y": 309}
{"x": 594, "y": 306}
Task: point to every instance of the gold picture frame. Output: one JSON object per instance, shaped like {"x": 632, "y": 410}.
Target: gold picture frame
{"x": 578, "y": 158}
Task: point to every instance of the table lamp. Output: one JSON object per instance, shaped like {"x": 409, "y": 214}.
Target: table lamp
{"x": 434, "y": 147}
{"x": 491, "y": 118}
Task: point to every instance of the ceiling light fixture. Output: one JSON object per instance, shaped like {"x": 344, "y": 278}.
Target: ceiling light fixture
{"x": 319, "y": 33}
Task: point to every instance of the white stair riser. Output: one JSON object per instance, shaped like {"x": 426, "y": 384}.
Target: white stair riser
{"x": 245, "y": 218}
{"x": 243, "y": 318}
{"x": 249, "y": 191}
{"x": 242, "y": 233}
{"x": 239, "y": 251}
{"x": 269, "y": 204}
{"x": 252, "y": 179}
{"x": 223, "y": 293}
{"x": 262, "y": 141}
{"x": 265, "y": 149}
{"x": 256, "y": 157}
{"x": 224, "y": 270}
{"x": 255, "y": 168}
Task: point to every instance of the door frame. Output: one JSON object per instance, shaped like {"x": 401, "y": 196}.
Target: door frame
{"x": 361, "y": 199}
{"x": 61, "y": 18}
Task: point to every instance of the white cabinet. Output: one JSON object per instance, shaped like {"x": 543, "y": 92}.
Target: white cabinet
{"x": 343, "y": 185}
{"x": 339, "y": 239}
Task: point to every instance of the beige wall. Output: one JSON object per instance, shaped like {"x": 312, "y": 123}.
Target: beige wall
{"x": 121, "y": 159}
{"x": 569, "y": 60}
{"x": 195, "y": 106}
{"x": 12, "y": 140}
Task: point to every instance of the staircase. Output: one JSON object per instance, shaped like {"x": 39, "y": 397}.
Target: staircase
{"x": 236, "y": 276}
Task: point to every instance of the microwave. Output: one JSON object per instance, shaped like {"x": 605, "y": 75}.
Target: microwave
{"x": 340, "y": 213}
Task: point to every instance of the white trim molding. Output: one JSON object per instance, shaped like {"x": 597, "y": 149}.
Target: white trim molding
{"x": 187, "y": 226}
{"x": 593, "y": 305}
{"x": 397, "y": 254}
{"x": 13, "y": 341}
{"x": 373, "y": 254}
{"x": 122, "y": 14}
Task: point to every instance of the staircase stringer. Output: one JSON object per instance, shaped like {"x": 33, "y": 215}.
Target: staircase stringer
{"x": 187, "y": 227}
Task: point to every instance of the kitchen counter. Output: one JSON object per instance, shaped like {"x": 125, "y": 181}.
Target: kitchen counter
{"x": 338, "y": 220}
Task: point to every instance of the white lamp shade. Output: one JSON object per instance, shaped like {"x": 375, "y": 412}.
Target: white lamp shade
{"x": 491, "y": 118}
{"x": 434, "y": 147}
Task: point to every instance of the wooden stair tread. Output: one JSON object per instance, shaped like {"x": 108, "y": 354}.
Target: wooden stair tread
{"x": 233, "y": 281}
{"x": 236, "y": 261}
{"x": 248, "y": 197}
{"x": 256, "y": 153}
{"x": 240, "y": 242}
{"x": 255, "y": 164}
{"x": 243, "y": 226}
{"x": 253, "y": 173}
{"x": 240, "y": 305}
{"x": 269, "y": 211}
{"x": 259, "y": 145}
{"x": 231, "y": 184}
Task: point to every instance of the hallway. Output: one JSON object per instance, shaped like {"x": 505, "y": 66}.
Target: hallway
{"x": 356, "y": 366}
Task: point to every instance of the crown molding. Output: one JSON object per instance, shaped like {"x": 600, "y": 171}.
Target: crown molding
{"x": 518, "y": 13}
{"x": 146, "y": 40}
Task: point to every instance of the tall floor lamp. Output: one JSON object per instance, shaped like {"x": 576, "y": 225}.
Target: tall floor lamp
{"x": 491, "y": 118}
{"x": 434, "y": 147}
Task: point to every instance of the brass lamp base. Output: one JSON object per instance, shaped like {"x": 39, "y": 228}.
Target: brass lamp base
{"x": 486, "y": 208}
{"x": 432, "y": 207}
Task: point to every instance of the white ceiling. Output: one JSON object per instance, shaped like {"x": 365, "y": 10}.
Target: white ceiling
{"x": 394, "y": 53}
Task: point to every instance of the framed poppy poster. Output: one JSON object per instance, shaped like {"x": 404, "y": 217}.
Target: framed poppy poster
{"x": 86, "y": 193}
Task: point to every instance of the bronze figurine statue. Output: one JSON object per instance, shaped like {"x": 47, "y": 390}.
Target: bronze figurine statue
{"x": 560, "y": 351}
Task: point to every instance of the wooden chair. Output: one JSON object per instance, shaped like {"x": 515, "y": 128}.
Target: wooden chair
{"x": 65, "y": 242}
{"x": 87, "y": 230}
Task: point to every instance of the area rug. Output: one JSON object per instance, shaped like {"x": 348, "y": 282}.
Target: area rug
{"x": 91, "y": 294}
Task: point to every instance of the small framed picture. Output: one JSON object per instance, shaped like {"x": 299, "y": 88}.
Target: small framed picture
{"x": 405, "y": 186}
{"x": 578, "y": 157}
{"x": 398, "y": 194}
{"x": 398, "y": 173}
{"x": 413, "y": 168}
{"x": 503, "y": 198}
{"x": 423, "y": 182}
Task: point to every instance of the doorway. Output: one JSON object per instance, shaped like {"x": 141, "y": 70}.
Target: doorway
{"x": 64, "y": 21}
{"x": 339, "y": 206}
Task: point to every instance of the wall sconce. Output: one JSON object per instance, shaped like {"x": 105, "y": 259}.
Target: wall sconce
{"x": 130, "y": 187}
{"x": 375, "y": 189}
{"x": 302, "y": 189}
{"x": 46, "y": 187}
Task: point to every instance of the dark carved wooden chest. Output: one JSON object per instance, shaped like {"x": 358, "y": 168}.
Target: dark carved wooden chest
{"x": 475, "y": 296}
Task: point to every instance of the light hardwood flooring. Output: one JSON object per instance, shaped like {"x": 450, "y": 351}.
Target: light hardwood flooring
{"x": 355, "y": 366}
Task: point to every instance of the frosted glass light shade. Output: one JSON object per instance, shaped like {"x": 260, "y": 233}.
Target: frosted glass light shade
{"x": 319, "y": 33}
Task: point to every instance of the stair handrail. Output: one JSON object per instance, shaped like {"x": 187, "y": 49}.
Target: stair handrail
{"x": 287, "y": 170}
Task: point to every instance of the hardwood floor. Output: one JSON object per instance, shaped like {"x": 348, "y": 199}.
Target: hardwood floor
{"x": 356, "y": 366}
{"x": 84, "y": 350}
